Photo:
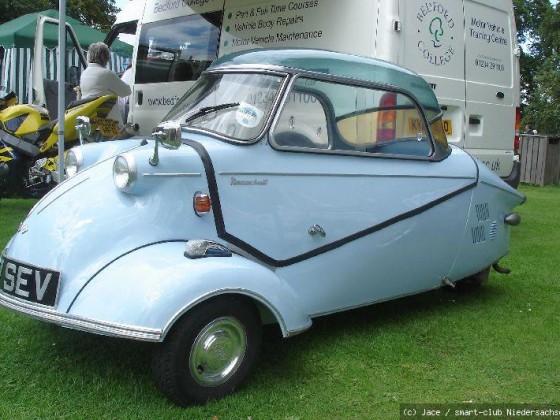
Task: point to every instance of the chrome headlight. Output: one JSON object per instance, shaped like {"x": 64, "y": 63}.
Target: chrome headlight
{"x": 73, "y": 162}
{"x": 124, "y": 172}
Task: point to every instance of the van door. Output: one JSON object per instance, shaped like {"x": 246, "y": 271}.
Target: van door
{"x": 44, "y": 79}
{"x": 176, "y": 43}
{"x": 466, "y": 51}
{"x": 433, "y": 46}
{"x": 490, "y": 73}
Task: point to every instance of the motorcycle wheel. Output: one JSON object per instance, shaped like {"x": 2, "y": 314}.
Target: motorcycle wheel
{"x": 34, "y": 184}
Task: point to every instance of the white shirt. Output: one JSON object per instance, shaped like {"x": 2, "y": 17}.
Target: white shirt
{"x": 124, "y": 101}
{"x": 97, "y": 80}
{"x": 127, "y": 76}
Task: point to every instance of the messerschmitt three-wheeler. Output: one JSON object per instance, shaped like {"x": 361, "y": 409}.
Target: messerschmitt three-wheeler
{"x": 285, "y": 185}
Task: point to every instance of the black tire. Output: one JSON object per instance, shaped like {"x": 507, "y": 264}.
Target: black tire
{"x": 473, "y": 282}
{"x": 187, "y": 373}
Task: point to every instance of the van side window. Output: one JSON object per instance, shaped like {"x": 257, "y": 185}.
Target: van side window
{"x": 177, "y": 49}
{"x": 358, "y": 118}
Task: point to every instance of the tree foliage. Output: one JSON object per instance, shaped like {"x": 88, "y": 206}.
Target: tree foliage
{"x": 543, "y": 108}
{"x": 99, "y": 14}
{"x": 529, "y": 16}
{"x": 543, "y": 112}
{"x": 538, "y": 25}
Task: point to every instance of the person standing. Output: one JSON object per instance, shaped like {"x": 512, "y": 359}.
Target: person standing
{"x": 98, "y": 80}
{"x": 529, "y": 129}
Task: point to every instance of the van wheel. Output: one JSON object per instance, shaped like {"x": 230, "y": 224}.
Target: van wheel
{"x": 209, "y": 352}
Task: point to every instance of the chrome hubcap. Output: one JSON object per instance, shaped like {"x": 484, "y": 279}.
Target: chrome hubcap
{"x": 218, "y": 351}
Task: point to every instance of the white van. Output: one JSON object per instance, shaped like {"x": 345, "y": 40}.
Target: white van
{"x": 466, "y": 49}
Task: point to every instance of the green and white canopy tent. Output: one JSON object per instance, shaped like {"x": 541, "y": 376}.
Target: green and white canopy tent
{"x": 18, "y": 37}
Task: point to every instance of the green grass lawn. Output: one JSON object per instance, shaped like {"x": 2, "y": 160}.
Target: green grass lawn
{"x": 495, "y": 345}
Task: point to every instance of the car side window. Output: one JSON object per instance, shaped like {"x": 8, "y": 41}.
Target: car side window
{"x": 302, "y": 122}
{"x": 383, "y": 122}
{"x": 177, "y": 49}
{"x": 355, "y": 118}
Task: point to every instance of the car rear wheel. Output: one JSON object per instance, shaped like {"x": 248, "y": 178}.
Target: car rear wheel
{"x": 209, "y": 352}
{"x": 473, "y": 282}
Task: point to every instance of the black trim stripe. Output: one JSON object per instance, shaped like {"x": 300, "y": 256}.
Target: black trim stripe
{"x": 115, "y": 259}
{"x": 212, "y": 184}
{"x": 223, "y": 234}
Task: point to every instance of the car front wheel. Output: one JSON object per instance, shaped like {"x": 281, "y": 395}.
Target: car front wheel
{"x": 209, "y": 352}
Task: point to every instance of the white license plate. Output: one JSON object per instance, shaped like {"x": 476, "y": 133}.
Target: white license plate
{"x": 415, "y": 125}
{"x": 29, "y": 282}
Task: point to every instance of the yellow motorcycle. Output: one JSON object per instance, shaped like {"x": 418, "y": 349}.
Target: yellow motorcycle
{"x": 29, "y": 139}
{"x": 8, "y": 100}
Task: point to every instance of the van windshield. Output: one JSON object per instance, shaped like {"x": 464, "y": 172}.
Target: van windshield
{"x": 235, "y": 105}
{"x": 178, "y": 49}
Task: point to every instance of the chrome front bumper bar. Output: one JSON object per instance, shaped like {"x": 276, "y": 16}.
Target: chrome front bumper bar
{"x": 78, "y": 323}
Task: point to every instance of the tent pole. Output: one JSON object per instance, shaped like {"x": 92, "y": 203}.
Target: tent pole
{"x": 61, "y": 84}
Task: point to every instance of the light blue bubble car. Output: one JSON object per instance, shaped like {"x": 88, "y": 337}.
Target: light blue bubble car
{"x": 285, "y": 185}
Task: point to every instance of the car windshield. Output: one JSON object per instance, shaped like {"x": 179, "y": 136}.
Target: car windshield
{"x": 236, "y": 105}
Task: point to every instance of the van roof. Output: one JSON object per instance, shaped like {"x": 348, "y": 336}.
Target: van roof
{"x": 338, "y": 64}
{"x": 131, "y": 12}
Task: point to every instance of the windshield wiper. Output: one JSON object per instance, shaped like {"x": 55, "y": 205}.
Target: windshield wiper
{"x": 208, "y": 109}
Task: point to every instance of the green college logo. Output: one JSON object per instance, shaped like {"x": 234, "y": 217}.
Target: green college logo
{"x": 436, "y": 31}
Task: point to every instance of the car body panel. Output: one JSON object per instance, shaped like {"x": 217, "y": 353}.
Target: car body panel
{"x": 109, "y": 220}
{"x": 311, "y": 230}
{"x": 97, "y": 152}
{"x": 158, "y": 284}
{"x": 272, "y": 208}
{"x": 486, "y": 237}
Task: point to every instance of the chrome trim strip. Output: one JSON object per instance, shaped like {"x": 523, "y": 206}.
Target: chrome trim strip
{"x": 240, "y": 291}
{"x": 349, "y": 175}
{"x": 80, "y": 323}
{"x": 172, "y": 174}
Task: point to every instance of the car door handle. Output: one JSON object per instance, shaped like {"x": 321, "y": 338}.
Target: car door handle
{"x": 317, "y": 230}
{"x": 140, "y": 97}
